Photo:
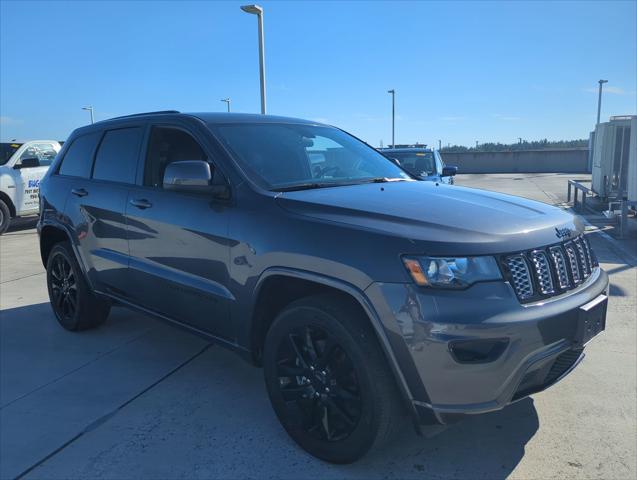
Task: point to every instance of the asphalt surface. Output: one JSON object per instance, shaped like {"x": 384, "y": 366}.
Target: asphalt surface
{"x": 138, "y": 399}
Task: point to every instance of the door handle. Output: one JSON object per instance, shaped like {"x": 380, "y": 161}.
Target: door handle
{"x": 141, "y": 203}
{"x": 80, "y": 192}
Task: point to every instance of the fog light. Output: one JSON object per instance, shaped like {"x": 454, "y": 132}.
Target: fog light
{"x": 478, "y": 351}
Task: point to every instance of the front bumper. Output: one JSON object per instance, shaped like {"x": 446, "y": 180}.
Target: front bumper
{"x": 538, "y": 342}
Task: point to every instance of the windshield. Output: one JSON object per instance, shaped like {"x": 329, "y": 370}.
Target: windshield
{"x": 282, "y": 156}
{"x": 416, "y": 163}
{"x": 7, "y": 150}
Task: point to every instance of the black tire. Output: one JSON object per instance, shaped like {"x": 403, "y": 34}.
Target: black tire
{"x": 363, "y": 405}
{"x": 75, "y": 306}
{"x": 5, "y": 217}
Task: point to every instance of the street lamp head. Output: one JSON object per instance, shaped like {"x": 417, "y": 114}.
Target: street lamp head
{"x": 392, "y": 91}
{"x": 87, "y": 108}
{"x": 254, "y": 9}
{"x": 603, "y": 81}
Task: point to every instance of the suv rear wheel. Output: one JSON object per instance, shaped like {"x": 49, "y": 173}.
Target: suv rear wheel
{"x": 75, "y": 306}
{"x": 328, "y": 380}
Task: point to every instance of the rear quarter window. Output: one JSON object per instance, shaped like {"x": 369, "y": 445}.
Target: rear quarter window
{"x": 116, "y": 158}
{"x": 78, "y": 159}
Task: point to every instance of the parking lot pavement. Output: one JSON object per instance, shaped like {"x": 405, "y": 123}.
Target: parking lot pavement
{"x": 137, "y": 399}
{"x": 544, "y": 187}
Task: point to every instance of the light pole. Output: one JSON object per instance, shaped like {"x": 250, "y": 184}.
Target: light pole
{"x": 599, "y": 99}
{"x": 393, "y": 117}
{"x": 258, "y": 11}
{"x": 90, "y": 109}
{"x": 439, "y": 144}
{"x": 227, "y": 100}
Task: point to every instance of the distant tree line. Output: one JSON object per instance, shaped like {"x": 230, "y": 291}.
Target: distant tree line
{"x": 523, "y": 145}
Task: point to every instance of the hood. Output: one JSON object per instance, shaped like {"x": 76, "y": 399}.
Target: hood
{"x": 438, "y": 219}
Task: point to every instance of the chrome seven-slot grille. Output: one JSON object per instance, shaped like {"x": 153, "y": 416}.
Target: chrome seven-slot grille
{"x": 551, "y": 270}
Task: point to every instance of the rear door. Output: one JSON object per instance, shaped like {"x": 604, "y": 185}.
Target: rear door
{"x": 178, "y": 241}
{"x": 97, "y": 200}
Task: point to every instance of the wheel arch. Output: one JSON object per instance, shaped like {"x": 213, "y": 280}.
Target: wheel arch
{"x": 50, "y": 235}
{"x": 7, "y": 200}
{"x": 299, "y": 284}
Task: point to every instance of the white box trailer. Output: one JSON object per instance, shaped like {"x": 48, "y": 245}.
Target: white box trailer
{"x": 614, "y": 157}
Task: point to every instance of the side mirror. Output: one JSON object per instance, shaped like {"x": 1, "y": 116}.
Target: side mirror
{"x": 27, "y": 162}
{"x": 188, "y": 176}
{"x": 194, "y": 176}
{"x": 449, "y": 171}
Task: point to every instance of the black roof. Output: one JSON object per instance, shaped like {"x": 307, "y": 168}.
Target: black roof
{"x": 222, "y": 117}
{"x": 207, "y": 117}
{"x": 219, "y": 117}
{"x": 144, "y": 114}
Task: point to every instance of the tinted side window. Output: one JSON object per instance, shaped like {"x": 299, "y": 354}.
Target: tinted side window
{"x": 116, "y": 158}
{"x": 168, "y": 145}
{"x": 78, "y": 159}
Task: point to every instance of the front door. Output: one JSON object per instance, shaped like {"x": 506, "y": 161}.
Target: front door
{"x": 28, "y": 177}
{"x": 179, "y": 241}
{"x": 439, "y": 166}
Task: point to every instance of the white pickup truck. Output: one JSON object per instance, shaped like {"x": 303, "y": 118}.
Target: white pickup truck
{"x": 22, "y": 166}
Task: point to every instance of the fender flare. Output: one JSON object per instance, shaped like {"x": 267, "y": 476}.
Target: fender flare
{"x": 367, "y": 307}
{"x": 63, "y": 228}
{"x": 6, "y": 199}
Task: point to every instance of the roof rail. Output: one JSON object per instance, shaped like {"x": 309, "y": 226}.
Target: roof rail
{"x": 622, "y": 117}
{"x": 158, "y": 112}
{"x": 410, "y": 145}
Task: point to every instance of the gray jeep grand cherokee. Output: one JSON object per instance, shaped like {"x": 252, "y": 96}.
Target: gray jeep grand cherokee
{"x": 364, "y": 294}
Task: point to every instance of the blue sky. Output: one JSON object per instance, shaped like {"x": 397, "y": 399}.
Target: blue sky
{"x": 463, "y": 71}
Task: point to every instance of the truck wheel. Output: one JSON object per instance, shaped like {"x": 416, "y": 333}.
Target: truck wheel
{"x": 75, "y": 306}
{"x": 5, "y": 217}
{"x": 328, "y": 380}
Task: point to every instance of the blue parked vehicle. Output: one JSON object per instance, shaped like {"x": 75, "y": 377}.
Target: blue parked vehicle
{"x": 423, "y": 163}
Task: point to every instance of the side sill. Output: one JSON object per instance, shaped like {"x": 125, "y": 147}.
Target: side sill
{"x": 243, "y": 352}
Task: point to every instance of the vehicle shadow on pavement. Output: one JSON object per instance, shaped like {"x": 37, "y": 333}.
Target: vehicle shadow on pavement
{"x": 209, "y": 417}
{"x": 19, "y": 224}
{"x": 485, "y": 446}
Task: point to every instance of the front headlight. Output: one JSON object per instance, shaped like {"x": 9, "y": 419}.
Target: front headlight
{"x": 451, "y": 272}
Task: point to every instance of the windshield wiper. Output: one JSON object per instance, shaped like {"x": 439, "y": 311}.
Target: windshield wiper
{"x": 303, "y": 186}
{"x": 315, "y": 185}
{"x": 382, "y": 180}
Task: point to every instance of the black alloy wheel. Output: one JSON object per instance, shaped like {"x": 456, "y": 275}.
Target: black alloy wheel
{"x": 328, "y": 379}
{"x": 319, "y": 383}
{"x": 64, "y": 294}
{"x": 74, "y": 304}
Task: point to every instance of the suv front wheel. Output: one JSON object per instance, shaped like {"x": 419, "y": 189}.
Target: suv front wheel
{"x": 75, "y": 306}
{"x": 328, "y": 380}
{"x": 5, "y": 217}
